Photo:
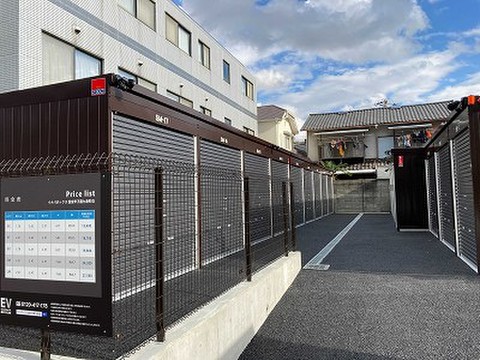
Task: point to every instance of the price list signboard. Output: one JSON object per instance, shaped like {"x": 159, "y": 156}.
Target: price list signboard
{"x": 55, "y": 263}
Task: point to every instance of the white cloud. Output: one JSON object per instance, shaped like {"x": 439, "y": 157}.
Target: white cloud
{"x": 403, "y": 82}
{"x": 323, "y": 55}
{"x": 471, "y": 86}
{"x": 342, "y": 30}
{"x": 475, "y": 32}
{"x": 272, "y": 79}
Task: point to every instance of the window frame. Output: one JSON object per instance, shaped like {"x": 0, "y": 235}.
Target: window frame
{"x": 201, "y": 54}
{"x": 206, "y": 111}
{"x": 249, "y": 131}
{"x": 74, "y": 50}
{"x": 246, "y": 86}
{"x": 178, "y": 27}
{"x": 226, "y": 65}
{"x": 135, "y": 13}
{"x": 288, "y": 142}
{"x": 136, "y": 78}
{"x": 178, "y": 98}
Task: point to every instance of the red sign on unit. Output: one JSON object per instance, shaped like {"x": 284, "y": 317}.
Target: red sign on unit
{"x": 98, "y": 87}
{"x": 400, "y": 161}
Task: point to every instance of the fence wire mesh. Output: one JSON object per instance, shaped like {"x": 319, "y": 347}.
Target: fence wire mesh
{"x": 180, "y": 236}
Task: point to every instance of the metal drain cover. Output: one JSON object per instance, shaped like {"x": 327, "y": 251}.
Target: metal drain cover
{"x": 319, "y": 267}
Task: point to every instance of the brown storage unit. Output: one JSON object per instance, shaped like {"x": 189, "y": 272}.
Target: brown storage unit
{"x": 199, "y": 166}
{"x": 453, "y": 164}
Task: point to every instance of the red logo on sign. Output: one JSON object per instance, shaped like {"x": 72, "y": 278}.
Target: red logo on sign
{"x": 400, "y": 161}
{"x": 98, "y": 87}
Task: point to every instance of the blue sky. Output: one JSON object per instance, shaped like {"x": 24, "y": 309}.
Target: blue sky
{"x": 314, "y": 56}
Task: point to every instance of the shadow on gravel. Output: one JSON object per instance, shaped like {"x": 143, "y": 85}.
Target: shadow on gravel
{"x": 272, "y": 349}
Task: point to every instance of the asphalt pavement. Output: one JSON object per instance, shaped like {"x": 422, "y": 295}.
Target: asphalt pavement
{"x": 387, "y": 295}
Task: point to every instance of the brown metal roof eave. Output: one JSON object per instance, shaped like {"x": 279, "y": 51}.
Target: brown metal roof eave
{"x": 78, "y": 89}
{"x": 173, "y": 105}
{"x": 43, "y": 94}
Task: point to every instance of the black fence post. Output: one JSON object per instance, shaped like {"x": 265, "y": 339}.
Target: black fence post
{"x": 248, "y": 244}
{"x": 45, "y": 348}
{"x": 292, "y": 218}
{"x": 159, "y": 260}
{"x": 285, "y": 217}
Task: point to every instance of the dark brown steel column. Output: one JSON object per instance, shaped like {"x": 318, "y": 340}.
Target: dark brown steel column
{"x": 285, "y": 211}
{"x": 248, "y": 244}
{"x": 474, "y": 124}
{"x": 159, "y": 260}
{"x": 292, "y": 218}
{"x": 45, "y": 348}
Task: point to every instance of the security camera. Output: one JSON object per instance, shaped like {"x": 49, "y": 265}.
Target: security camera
{"x": 122, "y": 83}
{"x": 181, "y": 85}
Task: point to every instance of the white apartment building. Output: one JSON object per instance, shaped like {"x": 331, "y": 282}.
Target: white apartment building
{"x": 153, "y": 41}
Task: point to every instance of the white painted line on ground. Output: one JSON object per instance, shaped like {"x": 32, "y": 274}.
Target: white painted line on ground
{"x": 320, "y": 267}
{"x": 317, "y": 259}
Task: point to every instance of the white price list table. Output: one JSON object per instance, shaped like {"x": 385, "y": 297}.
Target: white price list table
{"x": 50, "y": 245}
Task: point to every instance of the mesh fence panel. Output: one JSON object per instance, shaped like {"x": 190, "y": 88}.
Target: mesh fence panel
{"x": 194, "y": 216}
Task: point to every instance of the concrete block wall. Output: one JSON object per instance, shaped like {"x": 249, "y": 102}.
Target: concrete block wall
{"x": 362, "y": 195}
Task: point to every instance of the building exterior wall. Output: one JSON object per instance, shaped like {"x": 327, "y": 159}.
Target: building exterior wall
{"x": 267, "y": 130}
{"x": 370, "y": 140}
{"x": 274, "y": 131}
{"x": 284, "y": 128}
{"x": 9, "y": 53}
{"x": 312, "y": 147}
{"x": 120, "y": 40}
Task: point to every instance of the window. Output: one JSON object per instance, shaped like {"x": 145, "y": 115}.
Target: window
{"x": 288, "y": 142}
{"x": 247, "y": 88}
{"x": 248, "y": 131}
{"x": 63, "y": 62}
{"x": 385, "y": 145}
{"x": 178, "y": 35}
{"x": 147, "y": 84}
{"x": 204, "y": 54}
{"x": 226, "y": 71}
{"x": 180, "y": 99}
{"x": 206, "y": 111}
{"x": 228, "y": 121}
{"x": 143, "y": 10}
{"x": 138, "y": 80}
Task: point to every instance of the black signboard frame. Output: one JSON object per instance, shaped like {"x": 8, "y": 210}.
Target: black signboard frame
{"x": 60, "y": 305}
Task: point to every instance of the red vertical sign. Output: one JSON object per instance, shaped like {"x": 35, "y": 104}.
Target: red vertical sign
{"x": 400, "y": 161}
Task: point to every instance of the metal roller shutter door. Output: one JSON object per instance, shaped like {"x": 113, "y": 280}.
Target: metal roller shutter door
{"x": 279, "y": 176}
{"x": 221, "y": 201}
{"x": 464, "y": 198}
{"x": 296, "y": 178}
{"x": 133, "y": 204}
{"x": 318, "y": 201}
{"x": 447, "y": 232}
{"x": 432, "y": 196}
{"x": 309, "y": 204}
{"x": 256, "y": 169}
